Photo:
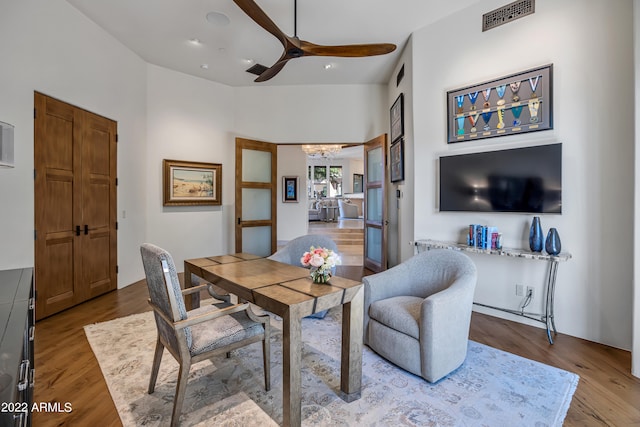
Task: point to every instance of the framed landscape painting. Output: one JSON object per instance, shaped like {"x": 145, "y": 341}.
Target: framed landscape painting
{"x": 191, "y": 183}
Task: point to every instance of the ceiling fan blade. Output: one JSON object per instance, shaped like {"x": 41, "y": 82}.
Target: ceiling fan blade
{"x": 270, "y": 72}
{"x": 350, "y": 51}
{"x": 260, "y": 17}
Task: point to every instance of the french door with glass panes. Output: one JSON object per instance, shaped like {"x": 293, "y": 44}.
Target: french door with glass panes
{"x": 375, "y": 206}
{"x": 256, "y": 186}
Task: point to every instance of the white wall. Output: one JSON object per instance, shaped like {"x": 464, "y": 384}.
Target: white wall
{"x": 292, "y": 217}
{"x": 299, "y": 114}
{"x": 401, "y": 210}
{"x": 635, "y": 354}
{"x": 48, "y": 46}
{"x": 593, "y": 118}
{"x": 189, "y": 119}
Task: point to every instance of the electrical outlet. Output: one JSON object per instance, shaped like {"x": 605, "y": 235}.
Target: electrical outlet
{"x": 531, "y": 291}
{"x": 519, "y": 290}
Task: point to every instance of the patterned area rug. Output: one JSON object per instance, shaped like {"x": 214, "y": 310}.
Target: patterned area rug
{"x": 492, "y": 388}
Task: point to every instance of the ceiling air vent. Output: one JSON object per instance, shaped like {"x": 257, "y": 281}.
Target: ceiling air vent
{"x": 511, "y": 12}
{"x": 257, "y": 69}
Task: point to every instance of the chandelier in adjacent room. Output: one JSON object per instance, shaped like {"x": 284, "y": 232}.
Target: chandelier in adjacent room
{"x": 321, "y": 150}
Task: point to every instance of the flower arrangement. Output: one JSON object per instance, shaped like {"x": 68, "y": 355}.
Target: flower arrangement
{"x": 322, "y": 262}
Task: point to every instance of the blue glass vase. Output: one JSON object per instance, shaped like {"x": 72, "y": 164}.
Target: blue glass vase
{"x": 536, "y": 238}
{"x": 553, "y": 245}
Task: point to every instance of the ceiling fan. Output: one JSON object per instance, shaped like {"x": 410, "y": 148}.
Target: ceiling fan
{"x": 296, "y": 48}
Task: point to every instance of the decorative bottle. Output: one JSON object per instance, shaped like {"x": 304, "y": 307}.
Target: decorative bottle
{"x": 535, "y": 235}
{"x": 553, "y": 245}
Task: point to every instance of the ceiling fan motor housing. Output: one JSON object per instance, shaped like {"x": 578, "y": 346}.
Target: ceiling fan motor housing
{"x": 295, "y": 52}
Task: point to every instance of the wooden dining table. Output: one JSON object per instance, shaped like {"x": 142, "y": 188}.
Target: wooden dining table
{"x": 288, "y": 291}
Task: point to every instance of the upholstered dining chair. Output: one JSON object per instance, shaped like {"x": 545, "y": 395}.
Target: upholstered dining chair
{"x": 293, "y": 250}
{"x": 192, "y": 336}
{"x": 417, "y": 314}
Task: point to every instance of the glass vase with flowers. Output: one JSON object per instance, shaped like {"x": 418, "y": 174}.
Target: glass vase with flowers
{"x": 322, "y": 262}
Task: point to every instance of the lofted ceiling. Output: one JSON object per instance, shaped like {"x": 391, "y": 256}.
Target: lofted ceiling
{"x": 159, "y": 31}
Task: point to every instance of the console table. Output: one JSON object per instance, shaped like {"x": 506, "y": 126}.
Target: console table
{"x": 553, "y": 260}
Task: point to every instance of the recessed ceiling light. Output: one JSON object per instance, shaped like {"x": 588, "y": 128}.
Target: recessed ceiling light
{"x": 204, "y": 66}
{"x": 247, "y": 61}
{"x": 328, "y": 66}
{"x": 195, "y": 41}
{"x": 218, "y": 19}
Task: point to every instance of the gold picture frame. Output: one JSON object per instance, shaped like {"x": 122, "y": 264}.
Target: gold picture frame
{"x": 191, "y": 183}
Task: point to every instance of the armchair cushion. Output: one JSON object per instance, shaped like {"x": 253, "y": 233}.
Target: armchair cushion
{"x": 398, "y": 313}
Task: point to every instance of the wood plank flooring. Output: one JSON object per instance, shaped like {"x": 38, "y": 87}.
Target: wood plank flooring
{"x": 67, "y": 371}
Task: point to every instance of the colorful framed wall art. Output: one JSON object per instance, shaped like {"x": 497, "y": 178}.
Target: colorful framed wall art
{"x": 510, "y": 105}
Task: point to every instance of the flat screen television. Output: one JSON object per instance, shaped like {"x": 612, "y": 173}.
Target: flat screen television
{"x": 516, "y": 180}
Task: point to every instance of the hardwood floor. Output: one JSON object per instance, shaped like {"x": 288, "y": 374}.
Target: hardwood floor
{"x": 67, "y": 371}
{"x": 348, "y": 235}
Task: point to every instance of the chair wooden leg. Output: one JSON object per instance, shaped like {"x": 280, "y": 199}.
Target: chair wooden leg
{"x": 181, "y": 386}
{"x": 157, "y": 358}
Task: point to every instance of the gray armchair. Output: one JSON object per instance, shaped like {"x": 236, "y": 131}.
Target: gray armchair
{"x": 192, "y": 336}
{"x": 417, "y": 314}
{"x": 347, "y": 210}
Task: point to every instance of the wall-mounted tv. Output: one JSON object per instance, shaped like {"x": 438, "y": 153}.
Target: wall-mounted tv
{"x": 516, "y": 180}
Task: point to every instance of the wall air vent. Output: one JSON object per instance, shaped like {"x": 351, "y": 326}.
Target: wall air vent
{"x": 511, "y": 12}
{"x": 257, "y": 69}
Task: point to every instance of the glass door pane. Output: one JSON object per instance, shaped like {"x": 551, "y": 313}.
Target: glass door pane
{"x": 256, "y": 204}
{"x": 256, "y": 240}
{"x": 256, "y": 166}
{"x": 374, "y": 248}
{"x": 375, "y": 167}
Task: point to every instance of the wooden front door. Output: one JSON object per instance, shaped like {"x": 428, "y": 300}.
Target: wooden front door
{"x": 75, "y": 205}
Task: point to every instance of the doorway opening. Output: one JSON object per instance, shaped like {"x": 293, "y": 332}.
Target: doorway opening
{"x": 335, "y": 197}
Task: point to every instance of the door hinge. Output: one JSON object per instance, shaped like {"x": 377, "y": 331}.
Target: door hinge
{"x": 116, "y": 225}
{"x": 116, "y": 182}
{"x": 116, "y": 137}
{"x": 34, "y": 174}
{"x": 34, "y": 113}
{"x": 117, "y": 269}
{"x": 35, "y": 234}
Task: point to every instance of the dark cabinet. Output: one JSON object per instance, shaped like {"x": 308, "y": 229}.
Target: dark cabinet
{"x": 17, "y": 326}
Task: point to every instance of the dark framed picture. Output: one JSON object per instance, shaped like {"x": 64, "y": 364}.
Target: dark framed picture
{"x": 290, "y": 189}
{"x": 509, "y": 105}
{"x": 397, "y": 118}
{"x": 397, "y": 160}
{"x": 191, "y": 183}
{"x": 358, "y": 183}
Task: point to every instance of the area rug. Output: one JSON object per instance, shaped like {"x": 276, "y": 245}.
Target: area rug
{"x": 492, "y": 387}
